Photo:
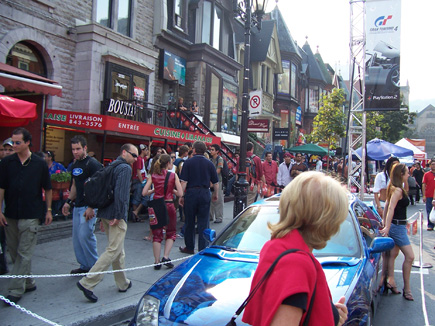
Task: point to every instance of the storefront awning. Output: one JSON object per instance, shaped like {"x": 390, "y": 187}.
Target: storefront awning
{"x": 99, "y": 122}
{"x": 228, "y": 138}
{"x": 15, "y": 78}
{"x": 15, "y": 112}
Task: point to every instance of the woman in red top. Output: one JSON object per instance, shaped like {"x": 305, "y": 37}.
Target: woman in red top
{"x": 312, "y": 209}
{"x": 158, "y": 175}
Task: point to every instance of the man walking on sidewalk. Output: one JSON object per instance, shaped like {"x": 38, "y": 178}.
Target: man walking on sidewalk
{"x": 217, "y": 207}
{"x": 23, "y": 175}
{"x": 197, "y": 174}
{"x": 114, "y": 222}
{"x": 84, "y": 219}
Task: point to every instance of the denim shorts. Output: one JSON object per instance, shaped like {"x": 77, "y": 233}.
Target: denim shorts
{"x": 399, "y": 234}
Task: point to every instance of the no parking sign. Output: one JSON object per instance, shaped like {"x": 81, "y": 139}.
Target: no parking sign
{"x": 255, "y": 103}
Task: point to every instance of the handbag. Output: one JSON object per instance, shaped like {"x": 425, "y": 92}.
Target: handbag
{"x": 232, "y": 322}
{"x": 157, "y": 208}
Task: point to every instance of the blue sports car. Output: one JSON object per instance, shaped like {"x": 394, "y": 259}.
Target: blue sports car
{"x": 208, "y": 288}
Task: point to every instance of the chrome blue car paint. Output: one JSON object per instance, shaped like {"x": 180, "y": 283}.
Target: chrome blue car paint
{"x": 209, "y": 287}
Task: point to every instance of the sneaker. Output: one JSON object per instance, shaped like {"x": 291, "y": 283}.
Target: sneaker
{"x": 180, "y": 235}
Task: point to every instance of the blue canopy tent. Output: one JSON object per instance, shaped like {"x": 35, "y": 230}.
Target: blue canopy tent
{"x": 379, "y": 150}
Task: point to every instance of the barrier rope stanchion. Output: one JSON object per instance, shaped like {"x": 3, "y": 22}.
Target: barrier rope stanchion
{"x": 420, "y": 263}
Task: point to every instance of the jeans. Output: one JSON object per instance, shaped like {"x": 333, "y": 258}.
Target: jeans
{"x": 136, "y": 198}
{"x": 21, "y": 241}
{"x": 217, "y": 207}
{"x": 196, "y": 205}
{"x": 428, "y": 209}
{"x": 84, "y": 240}
{"x": 230, "y": 185}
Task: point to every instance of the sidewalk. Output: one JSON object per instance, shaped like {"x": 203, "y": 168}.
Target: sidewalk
{"x": 59, "y": 300}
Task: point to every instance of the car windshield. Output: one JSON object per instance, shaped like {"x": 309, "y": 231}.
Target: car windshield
{"x": 249, "y": 233}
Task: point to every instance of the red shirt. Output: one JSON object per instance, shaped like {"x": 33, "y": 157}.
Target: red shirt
{"x": 258, "y": 166}
{"x": 159, "y": 185}
{"x": 429, "y": 181}
{"x": 294, "y": 273}
{"x": 270, "y": 171}
{"x": 138, "y": 165}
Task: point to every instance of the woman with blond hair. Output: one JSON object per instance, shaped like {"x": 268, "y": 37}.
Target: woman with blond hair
{"x": 395, "y": 227}
{"x": 158, "y": 176}
{"x": 312, "y": 208}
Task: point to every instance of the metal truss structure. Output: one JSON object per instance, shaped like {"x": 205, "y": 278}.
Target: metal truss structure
{"x": 357, "y": 117}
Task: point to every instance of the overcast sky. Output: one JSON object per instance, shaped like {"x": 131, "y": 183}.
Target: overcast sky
{"x": 327, "y": 26}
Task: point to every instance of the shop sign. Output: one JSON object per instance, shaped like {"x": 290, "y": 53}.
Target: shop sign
{"x": 299, "y": 116}
{"x": 281, "y": 133}
{"x": 101, "y": 122}
{"x": 74, "y": 119}
{"x": 258, "y": 125}
{"x": 121, "y": 107}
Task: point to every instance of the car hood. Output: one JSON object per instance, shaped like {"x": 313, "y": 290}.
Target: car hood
{"x": 208, "y": 288}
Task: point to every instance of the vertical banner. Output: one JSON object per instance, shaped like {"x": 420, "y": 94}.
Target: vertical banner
{"x": 382, "y": 75}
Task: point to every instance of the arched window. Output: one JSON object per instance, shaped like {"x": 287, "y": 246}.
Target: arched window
{"x": 25, "y": 56}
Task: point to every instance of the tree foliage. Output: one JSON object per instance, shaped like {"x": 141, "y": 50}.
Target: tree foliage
{"x": 388, "y": 125}
{"x": 329, "y": 125}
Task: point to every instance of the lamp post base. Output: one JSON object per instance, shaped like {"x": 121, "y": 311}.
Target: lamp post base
{"x": 240, "y": 194}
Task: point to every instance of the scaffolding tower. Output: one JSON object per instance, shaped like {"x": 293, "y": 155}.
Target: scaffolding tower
{"x": 357, "y": 116}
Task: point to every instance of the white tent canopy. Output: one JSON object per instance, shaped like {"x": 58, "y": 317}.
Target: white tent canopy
{"x": 418, "y": 154}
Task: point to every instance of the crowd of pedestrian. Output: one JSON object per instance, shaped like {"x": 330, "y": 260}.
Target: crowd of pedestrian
{"x": 148, "y": 183}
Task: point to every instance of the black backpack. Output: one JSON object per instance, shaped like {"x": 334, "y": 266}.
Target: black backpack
{"x": 225, "y": 172}
{"x": 98, "y": 190}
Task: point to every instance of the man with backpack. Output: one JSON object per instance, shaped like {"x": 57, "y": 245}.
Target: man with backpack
{"x": 217, "y": 207}
{"x": 114, "y": 222}
{"x": 254, "y": 173}
{"x": 84, "y": 217}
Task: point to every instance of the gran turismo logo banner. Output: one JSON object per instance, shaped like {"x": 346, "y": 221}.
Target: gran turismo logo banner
{"x": 382, "y": 64}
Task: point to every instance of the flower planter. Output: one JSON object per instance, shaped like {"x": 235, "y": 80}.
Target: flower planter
{"x": 59, "y": 185}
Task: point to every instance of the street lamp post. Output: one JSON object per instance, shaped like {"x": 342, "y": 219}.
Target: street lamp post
{"x": 243, "y": 10}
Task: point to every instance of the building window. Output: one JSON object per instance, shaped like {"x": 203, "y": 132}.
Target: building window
{"x": 103, "y": 12}
{"x": 217, "y": 25}
{"x": 178, "y": 13}
{"x": 119, "y": 19}
{"x": 314, "y": 99}
{"x": 293, "y": 81}
{"x": 214, "y": 102}
{"x": 284, "y": 78}
{"x": 268, "y": 80}
{"x": 25, "y": 56}
{"x": 124, "y": 17}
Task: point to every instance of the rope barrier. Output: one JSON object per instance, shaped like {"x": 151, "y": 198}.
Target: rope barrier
{"x": 93, "y": 273}
{"x": 28, "y": 312}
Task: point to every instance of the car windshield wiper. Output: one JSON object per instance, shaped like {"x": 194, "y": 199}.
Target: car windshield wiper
{"x": 223, "y": 248}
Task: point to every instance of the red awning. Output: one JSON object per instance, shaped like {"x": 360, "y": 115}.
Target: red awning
{"x": 16, "y": 78}
{"x": 15, "y": 112}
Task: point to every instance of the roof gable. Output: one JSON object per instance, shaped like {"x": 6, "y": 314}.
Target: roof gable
{"x": 286, "y": 42}
{"x": 315, "y": 71}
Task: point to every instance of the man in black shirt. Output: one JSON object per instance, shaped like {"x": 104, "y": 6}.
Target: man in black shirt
{"x": 23, "y": 175}
{"x": 197, "y": 175}
{"x": 84, "y": 218}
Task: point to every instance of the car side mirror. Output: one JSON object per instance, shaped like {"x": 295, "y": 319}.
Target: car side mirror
{"x": 381, "y": 244}
{"x": 209, "y": 235}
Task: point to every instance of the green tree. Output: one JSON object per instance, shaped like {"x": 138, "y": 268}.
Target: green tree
{"x": 329, "y": 125}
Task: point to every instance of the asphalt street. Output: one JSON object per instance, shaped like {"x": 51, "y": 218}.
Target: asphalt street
{"x": 58, "y": 300}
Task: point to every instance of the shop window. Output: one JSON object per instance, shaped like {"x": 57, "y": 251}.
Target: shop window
{"x": 229, "y": 109}
{"x": 126, "y": 94}
{"x": 120, "y": 18}
{"x": 25, "y": 56}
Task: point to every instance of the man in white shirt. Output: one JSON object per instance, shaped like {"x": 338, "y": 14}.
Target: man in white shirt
{"x": 284, "y": 177}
